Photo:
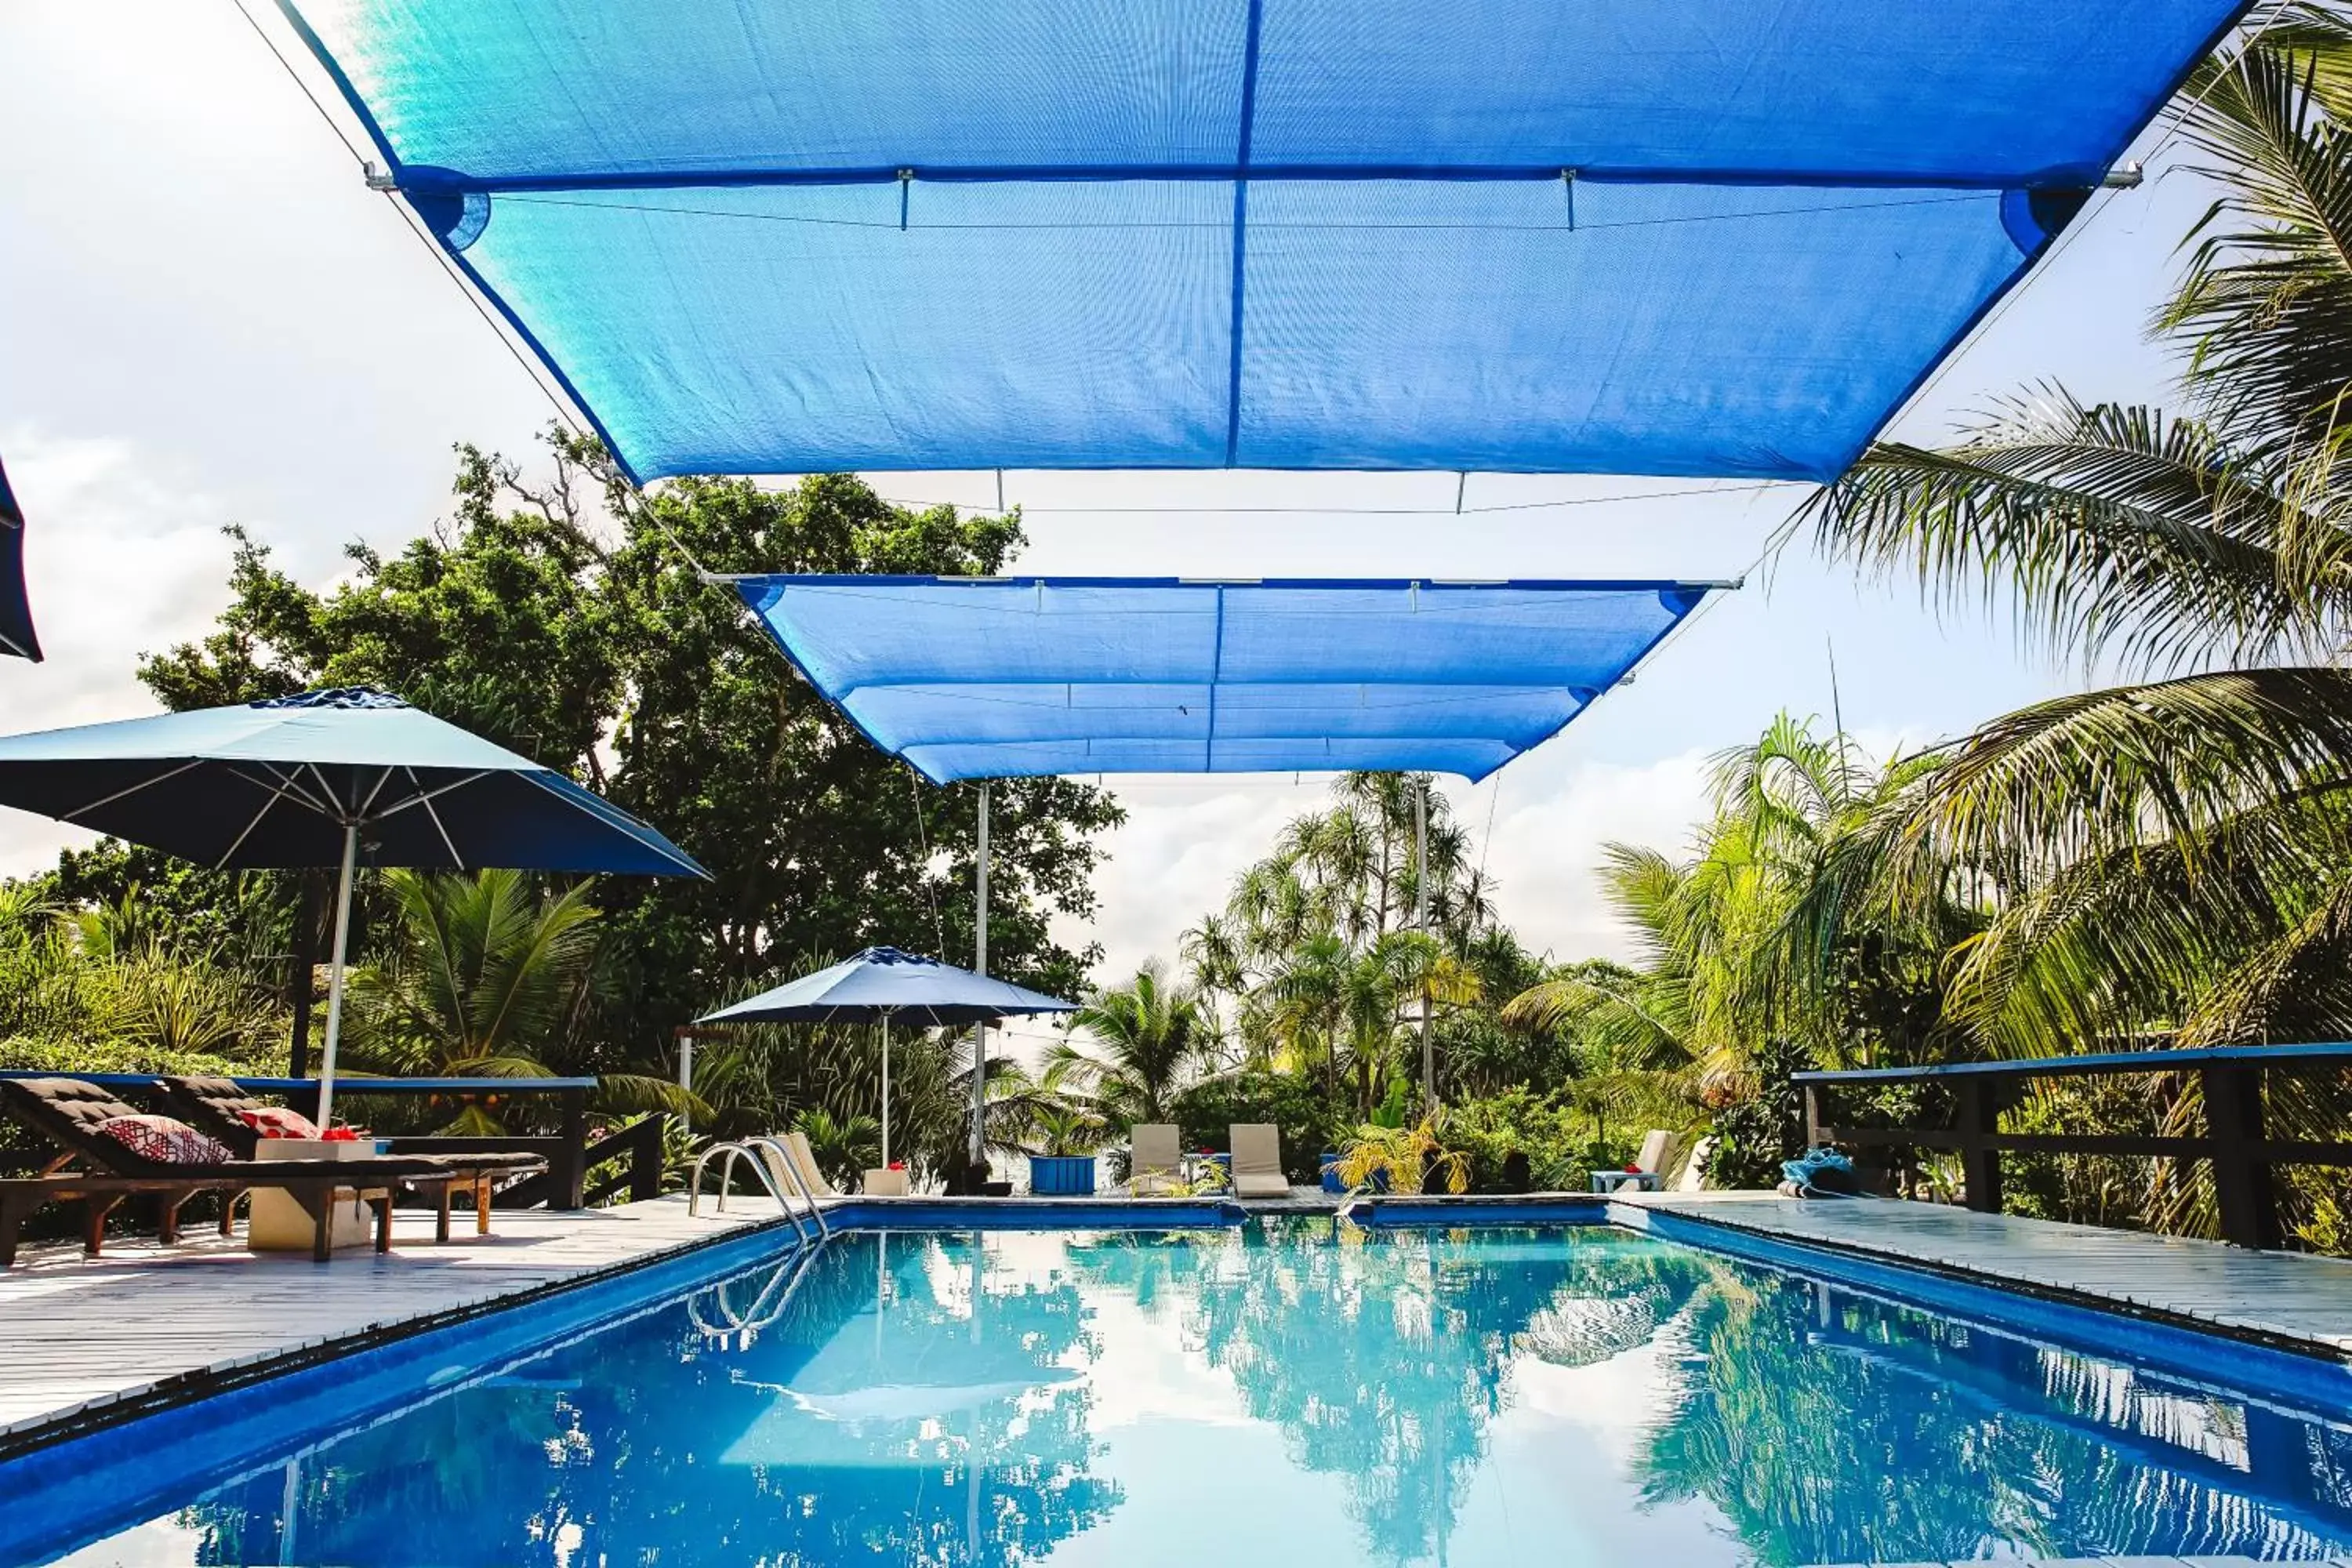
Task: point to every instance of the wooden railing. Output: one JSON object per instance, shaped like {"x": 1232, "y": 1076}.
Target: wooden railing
{"x": 2235, "y": 1143}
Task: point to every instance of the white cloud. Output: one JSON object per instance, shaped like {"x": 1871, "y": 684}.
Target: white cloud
{"x": 1185, "y": 842}
{"x": 124, "y": 556}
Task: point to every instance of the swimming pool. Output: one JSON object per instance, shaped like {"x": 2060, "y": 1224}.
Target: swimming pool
{"x": 1295, "y": 1390}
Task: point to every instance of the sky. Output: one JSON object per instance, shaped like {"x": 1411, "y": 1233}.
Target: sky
{"x": 205, "y": 318}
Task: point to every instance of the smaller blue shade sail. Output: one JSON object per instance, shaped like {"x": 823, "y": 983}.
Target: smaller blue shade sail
{"x": 1654, "y": 236}
{"x": 883, "y": 984}
{"x": 16, "y": 609}
{"x": 1004, "y": 677}
{"x": 275, "y": 783}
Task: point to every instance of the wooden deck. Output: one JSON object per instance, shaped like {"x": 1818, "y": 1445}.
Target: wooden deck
{"x": 2291, "y": 1298}
{"x": 76, "y": 1333}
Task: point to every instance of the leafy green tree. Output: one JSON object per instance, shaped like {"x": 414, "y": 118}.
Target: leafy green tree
{"x": 1724, "y": 963}
{"x": 571, "y": 621}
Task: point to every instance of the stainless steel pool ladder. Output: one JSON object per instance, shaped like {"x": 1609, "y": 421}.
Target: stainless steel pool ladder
{"x": 773, "y": 1162}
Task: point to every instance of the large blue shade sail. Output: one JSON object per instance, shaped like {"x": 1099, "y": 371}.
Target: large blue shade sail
{"x": 1001, "y": 678}
{"x": 16, "y": 635}
{"x": 1665, "y": 237}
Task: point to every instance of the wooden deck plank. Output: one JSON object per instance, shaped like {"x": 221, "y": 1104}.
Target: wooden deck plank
{"x": 2279, "y": 1295}
{"x": 80, "y": 1332}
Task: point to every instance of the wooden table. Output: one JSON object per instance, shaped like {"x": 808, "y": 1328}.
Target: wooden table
{"x": 276, "y": 1222}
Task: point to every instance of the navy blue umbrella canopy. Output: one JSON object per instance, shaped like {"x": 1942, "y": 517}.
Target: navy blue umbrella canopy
{"x": 882, "y": 985}
{"x": 329, "y": 778}
{"x": 278, "y": 783}
{"x": 16, "y": 610}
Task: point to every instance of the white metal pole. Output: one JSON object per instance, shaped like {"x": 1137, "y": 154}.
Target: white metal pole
{"x": 1421, "y": 919}
{"x": 335, "y": 978}
{"x": 886, "y": 1091}
{"x": 980, "y": 1031}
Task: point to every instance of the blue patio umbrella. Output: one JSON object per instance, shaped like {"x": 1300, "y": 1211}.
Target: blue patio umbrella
{"x": 15, "y": 612}
{"x": 882, "y": 984}
{"x": 326, "y": 778}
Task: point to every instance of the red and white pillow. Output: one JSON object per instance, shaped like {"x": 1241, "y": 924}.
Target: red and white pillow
{"x": 164, "y": 1141}
{"x": 275, "y": 1121}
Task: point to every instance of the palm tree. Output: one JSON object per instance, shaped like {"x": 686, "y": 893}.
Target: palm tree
{"x": 483, "y": 978}
{"x": 1148, "y": 1038}
{"x": 2169, "y": 855}
{"x": 1214, "y": 954}
{"x": 1726, "y": 962}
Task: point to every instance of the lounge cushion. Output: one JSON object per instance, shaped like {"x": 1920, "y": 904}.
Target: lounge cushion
{"x": 161, "y": 1139}
{"x": 277, "y": 1122}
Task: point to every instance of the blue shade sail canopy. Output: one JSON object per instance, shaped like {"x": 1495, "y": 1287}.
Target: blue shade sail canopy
{"x": 1656, "y": 237}
{"x": 1002, "y": 678}
{"x": 277, "y": 783}
{"x": 883, "y": 984}
{"x": 17, "y": 636}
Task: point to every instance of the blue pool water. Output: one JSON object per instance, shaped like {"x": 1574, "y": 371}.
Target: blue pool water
{"x": 1293, "y": 1392}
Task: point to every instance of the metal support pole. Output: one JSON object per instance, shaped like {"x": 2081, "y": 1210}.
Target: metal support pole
{"x": 886, "y": 1090}
{"x": 335, "y": 978}
{"x": 1420, "y": 922}
{"x": 980, "y": 1031}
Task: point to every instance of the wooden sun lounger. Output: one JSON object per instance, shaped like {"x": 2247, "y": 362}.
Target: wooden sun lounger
{"x": 68, "y": 1111}
{"x": 101, "y": 1195}
{"x": 214, "y": 1106}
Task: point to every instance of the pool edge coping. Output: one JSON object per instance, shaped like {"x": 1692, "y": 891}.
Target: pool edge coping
{"x": 2275, "y": 1340}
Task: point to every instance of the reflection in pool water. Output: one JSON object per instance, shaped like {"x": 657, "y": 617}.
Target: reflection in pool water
{"x": 1296, "y": 1392}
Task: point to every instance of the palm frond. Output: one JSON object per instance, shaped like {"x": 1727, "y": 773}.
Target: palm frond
{"x": 2266, "y": 303}
{"x": 2107, "y": 529}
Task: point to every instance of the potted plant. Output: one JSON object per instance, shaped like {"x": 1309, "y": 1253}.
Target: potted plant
{"x": 1401, "y": 1159}
{"x": 1065, "y": 1166}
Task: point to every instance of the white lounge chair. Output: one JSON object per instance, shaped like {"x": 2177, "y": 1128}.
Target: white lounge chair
{"x": 1657, "y": 1152}
{"x": 1257, "y": 1161}
{"x": 1155, "y": 1164}
{"x": 811, "y": 1174}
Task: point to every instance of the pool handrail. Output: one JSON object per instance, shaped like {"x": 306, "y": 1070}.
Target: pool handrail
{"x": 782, "y": 1152}
{"x": 744, "y": 1151}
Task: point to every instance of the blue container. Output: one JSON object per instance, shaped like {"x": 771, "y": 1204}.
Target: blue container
{"x": 1330, "y": 1167}
{"x": 1062, "y": 1175}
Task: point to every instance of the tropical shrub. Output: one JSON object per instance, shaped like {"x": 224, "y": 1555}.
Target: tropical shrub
{"x": 1402, "y": 1159}
{"x": 1560, "y": 1144}
{"x": 1757, "y": 1131}
{"x": 1310, "y": 1123}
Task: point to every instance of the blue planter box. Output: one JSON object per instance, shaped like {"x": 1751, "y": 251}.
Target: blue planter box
{"x": 1062, "y": 1175}
{"x": 1332, "y": 1183}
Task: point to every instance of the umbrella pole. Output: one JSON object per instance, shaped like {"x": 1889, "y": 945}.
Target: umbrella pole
{"x": 886, "y": 1090}
{"x": 980, "y": 1030}
{"x": 335, "y": 978}
{"x": 1420, "y": 924}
